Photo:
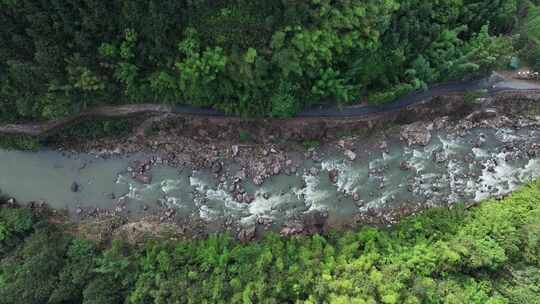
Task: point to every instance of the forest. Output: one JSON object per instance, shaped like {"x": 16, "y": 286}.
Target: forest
{"x": 263, "y": 58}
{"x": 486, "y": 254}
{"x": 268, "y": 58}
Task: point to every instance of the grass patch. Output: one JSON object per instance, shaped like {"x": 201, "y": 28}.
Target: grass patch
{"x": 311, "y": 144}
{"x": 471, "y": 98}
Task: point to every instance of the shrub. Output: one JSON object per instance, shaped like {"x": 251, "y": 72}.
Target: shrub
{"x": 20, "y": 142}
{"x": 285, "y": 103}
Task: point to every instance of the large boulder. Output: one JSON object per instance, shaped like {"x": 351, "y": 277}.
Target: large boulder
{"x": 333, "y": 175}
{"x": 418, "y": 133}
{"x": 247, "y": 234}
{"x": 217, "y": 167}
{"x": 315, "y": 221}
{"x": 350, "y": 155}
{"x": 74, "y": 187}
{"x": 483, "y": 114}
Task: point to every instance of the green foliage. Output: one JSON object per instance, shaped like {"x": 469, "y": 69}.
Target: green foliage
{"x": 200, "y": 70}
{"x": 484, "y": 53}
{"x": 125, "y": 69}
{"x": 455, "y": 59}
{"x": 315, "y": 53}
{"x": 284, "y": 102}
{"x": 486, "y": 254}
{"x": 471, "y": 97}
{"x": 252, "y": 58}
{"x": 29, "y": 274}
{"x": 244, "y": 136}
{"x": 93, "y": 129}
{"x": 377, "y": 98}
{"x": 77, "y": 272}
{"x": 14, "y": 225}
{"x": 502, "y": 14}
{"x": 530, "y": 40}
{"x": 237, "y": 24}
{"x": 522, "y": 286}
{"x": 311, "y": 144}
{"x": 20, "y": 142}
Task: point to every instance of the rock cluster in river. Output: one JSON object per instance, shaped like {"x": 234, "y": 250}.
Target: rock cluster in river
{"x": 140, "y": 171}
{"x": 233, "y": 162}
{"x": 417, "y": 133}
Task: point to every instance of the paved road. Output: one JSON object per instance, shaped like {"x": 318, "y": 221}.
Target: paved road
{"x": 494, "y": 84}
{"x": 412, "y": 98}
{"x": 350, "y": 111}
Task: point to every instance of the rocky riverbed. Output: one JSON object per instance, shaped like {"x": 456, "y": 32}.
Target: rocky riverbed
{"x": 199, "y": 181}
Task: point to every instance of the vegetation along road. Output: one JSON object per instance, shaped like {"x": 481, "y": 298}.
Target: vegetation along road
{"x": 492, "y": 85}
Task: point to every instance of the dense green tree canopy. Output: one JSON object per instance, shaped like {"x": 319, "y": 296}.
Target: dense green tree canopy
{"x": 487, "y": 254}
{"x": 244, "y": 57}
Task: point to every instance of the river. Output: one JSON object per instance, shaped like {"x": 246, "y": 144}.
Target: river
{"x": 452, "y": 168}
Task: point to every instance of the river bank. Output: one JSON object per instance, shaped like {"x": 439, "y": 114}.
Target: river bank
{"x": 208, "y": 179}
{"x": 453, "y": 254}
